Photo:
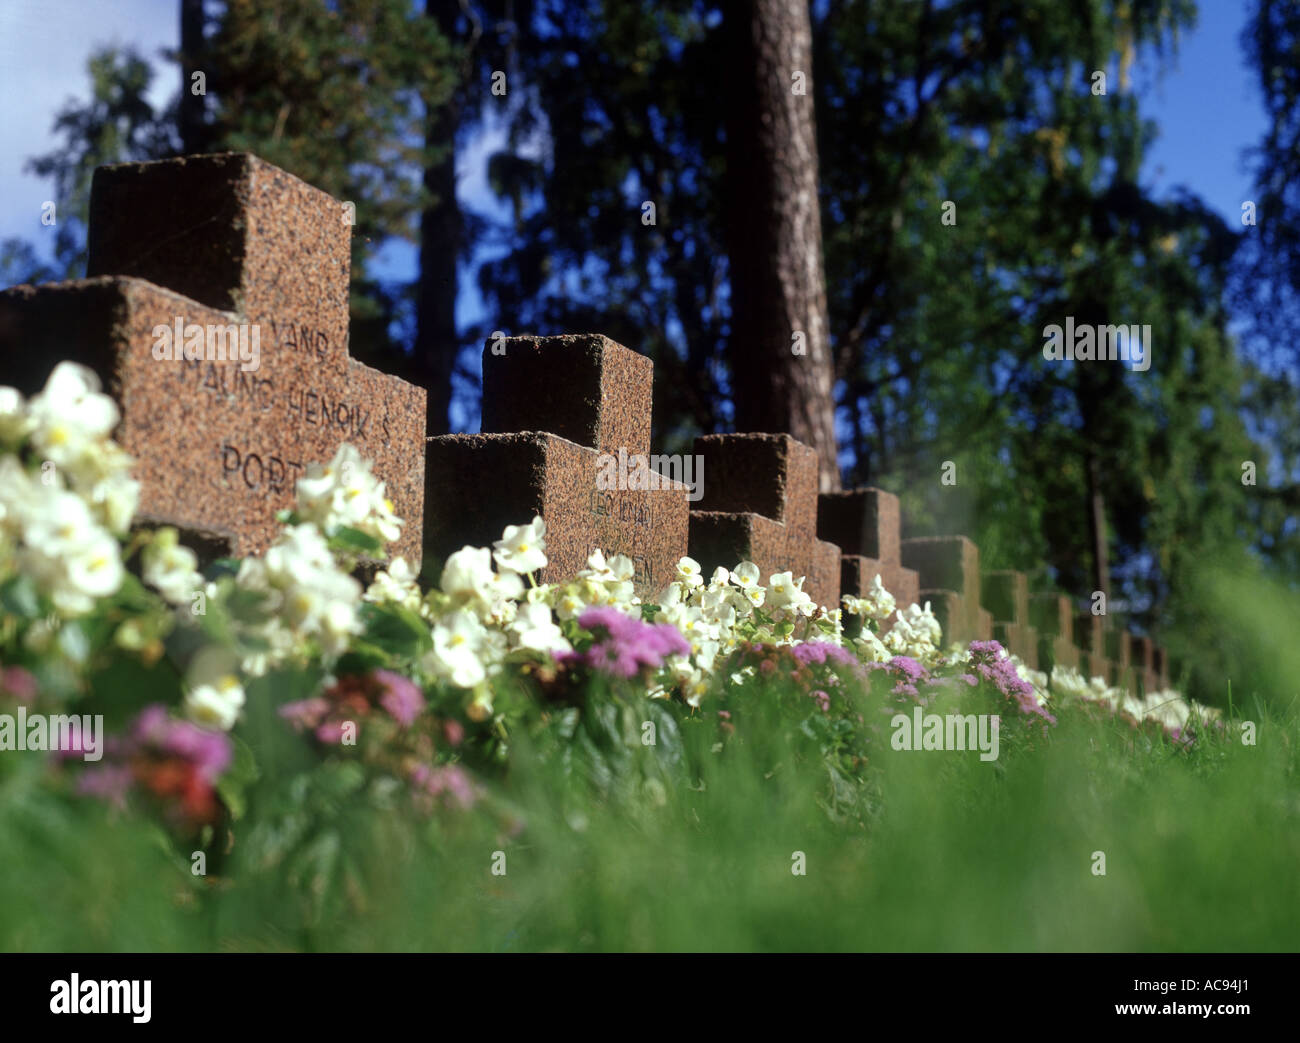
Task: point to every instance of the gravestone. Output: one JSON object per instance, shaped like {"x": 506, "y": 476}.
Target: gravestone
{"x": 865, "y": 525}
{"x": 1143, "y": 664}
{"x": 1119, "y": 652}
{"x": 759, "y": 504}
{"x": 1160, "y": 666}
{"x": 216, "y": 244}
{"x": 560, "y": 415}
{"x": 1053, "y": 616}
{"x": 1005, "y": 593}
{"x": 949, "y": 570}
{"x": 1089, "y": 635}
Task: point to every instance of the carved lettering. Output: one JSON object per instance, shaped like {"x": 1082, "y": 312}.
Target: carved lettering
{"x": 272, "y": 472}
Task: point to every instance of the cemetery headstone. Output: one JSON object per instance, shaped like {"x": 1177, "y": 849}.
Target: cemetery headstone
{"x": 1160, "y": 666}
{"x": 1005, "y": 593}
{"x": 1053, "y": 616}
{"x": 216, "y": 313}
{"x": 949, "y": 570}
{"x": 1118, "y": 651}
{"x": 759, "y": 504}
{"x": 565, "y": 435}
{"x": 1143, "y": 664}
{"x": 1089, "y": 635}
{"x": 865, "y": 525}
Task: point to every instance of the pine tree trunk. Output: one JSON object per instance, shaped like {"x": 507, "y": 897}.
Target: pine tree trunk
{"x": 436, "y": 346}
{"x": 778, "y": 284}
{"x": 1097, "y": 529}
{"x": 190, "y": 110}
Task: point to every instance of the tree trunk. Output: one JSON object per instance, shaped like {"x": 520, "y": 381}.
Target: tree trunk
{"x": 436, "y": 345}
{"x": 1097, "y": 529}
{"x": 774, "y": 237}
{"x": 190, "y": 111}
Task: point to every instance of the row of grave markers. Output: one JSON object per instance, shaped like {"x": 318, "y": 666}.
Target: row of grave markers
{"x": 229, "y": 242}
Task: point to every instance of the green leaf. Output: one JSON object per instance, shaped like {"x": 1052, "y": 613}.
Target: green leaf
{"x": 396, "y": 630}
{"x": 19, "y": 598}
{"x": 235, "y": 781}
{"x": 358, "y": 541}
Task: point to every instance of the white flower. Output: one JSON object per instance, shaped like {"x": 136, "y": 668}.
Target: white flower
{"x": 784, "y": 591}
{"x": 15, "y": 424}
{"x": 95, "y": 571}
{"x": 745, "y": 575}
{"x": 298, "y": 554}
{"x": 455, "y": 655}
{"x": 878, "y": 603}
{"x": 70, "y": 414}
{"x": 467, "y": 574}
{"x": 215, "y": 705}
{"x": 169, "y": 568}
{"x": 57, "y": 521}
{"x": 869, "y": 647}
{"x": 522, "y": 547}
{"x": 597, "y": 567}
{"x": 534, "y": 628}
{"x": 115, "y": 500}
{"x": 345, "y": 492}
{"x": 396, "y": 584}
{"x": 689, "y": 572}
{"x": 622, "y": 568}
{"x": 338, "y": 624}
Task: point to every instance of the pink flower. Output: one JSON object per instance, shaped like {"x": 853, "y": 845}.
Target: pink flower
{"x": 401, "y": 697}
{"x": 18, "y": 683}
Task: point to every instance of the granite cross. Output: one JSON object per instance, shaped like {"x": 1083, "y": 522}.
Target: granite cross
{"x": 865, "y": 525}
{"x": 1053, "y": 616}
{"x": 1006, "y": 594}
{"x": 216, "y": 313}
{"x": 566, "y": 434}
{"x": 759, "y": 504}
{"x": 949, "y": 567}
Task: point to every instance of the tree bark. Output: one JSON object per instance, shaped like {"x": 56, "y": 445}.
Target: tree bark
{"x": 778, "y": 284}
{"x": 192, "y": 131}
{"x": 1097, "y": 529}
{"x": 436, "y": 345}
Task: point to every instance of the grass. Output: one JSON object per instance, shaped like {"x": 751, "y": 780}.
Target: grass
{"x": 955, "y": 854}
{"x": 929, "y": 852}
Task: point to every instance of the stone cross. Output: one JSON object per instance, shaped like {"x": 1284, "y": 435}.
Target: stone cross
{"x": 1090, "y": 636}
{"x": 1119, "y": 644}
{"x": 949, "y": 570}
{"x": 1006, "y": 593}
{"x": 1160, "y": 666}
{"x": 566, "y": 429}
{"x": 865, "y": 525}
{"x": 216, "y": 313}
{"x": 759, "y": 504}
{"x": 1053, "y": 616}
{"x": 1144, "y": 664}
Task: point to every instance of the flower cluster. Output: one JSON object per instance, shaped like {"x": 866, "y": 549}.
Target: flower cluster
{"x": 345, "y": 494}
{"x": 989, "y": 661}
{"x": 65, "y": 490}
{"x": 170, "y": 761}
{"x": 352, "y": 699}
{"x": 627, "y": 647}
{"x": 1170, "y": 711}
{"x": 888, "y": 630}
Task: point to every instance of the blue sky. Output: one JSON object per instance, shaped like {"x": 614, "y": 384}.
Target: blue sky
{"x": 1205, "y": 104}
